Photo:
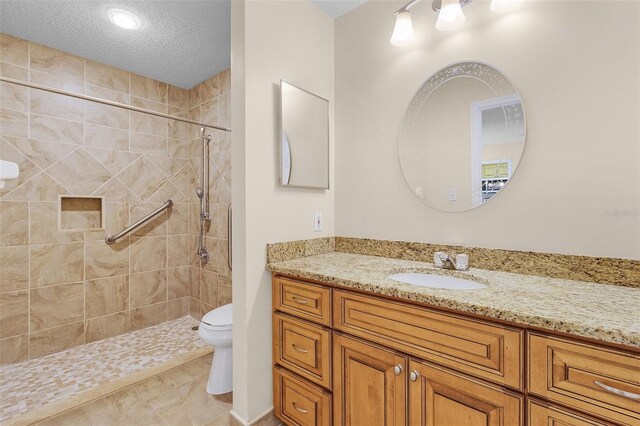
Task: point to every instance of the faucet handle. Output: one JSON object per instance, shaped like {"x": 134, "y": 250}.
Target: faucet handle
{"x": 462, "y": 262}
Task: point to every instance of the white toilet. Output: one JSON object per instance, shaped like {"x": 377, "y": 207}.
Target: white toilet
{"x": 215, "y": 330}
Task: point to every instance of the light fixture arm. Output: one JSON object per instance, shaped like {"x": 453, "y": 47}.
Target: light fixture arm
{"x": 407, "y": 6}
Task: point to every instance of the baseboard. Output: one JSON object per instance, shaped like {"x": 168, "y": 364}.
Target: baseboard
{"x": 267, "y": 418}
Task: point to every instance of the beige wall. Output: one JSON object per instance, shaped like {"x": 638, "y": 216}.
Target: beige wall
{"x": 271, "y": 40}
{"x": 60, "y": 288}
{"x": 576, "y": 66}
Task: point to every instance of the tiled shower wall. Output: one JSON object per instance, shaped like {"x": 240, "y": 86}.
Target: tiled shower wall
{"x": 61, "y": 288}
{"x": 209, "y": 102}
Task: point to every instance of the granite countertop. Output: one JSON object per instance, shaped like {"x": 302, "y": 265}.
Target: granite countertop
{"x": 605, "y": 312}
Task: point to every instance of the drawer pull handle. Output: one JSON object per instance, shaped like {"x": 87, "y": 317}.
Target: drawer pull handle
{"x": 301, "y": 350}
{"x": 415, "y": 374}
{"x": 300, "y": 301}
{"x": 618, "y": 392}
{"x": 397, "y": 370}
{"x": 302, "y": 410}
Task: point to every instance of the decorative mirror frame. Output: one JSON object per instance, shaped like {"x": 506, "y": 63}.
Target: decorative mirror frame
{"x": 489, "y": 75}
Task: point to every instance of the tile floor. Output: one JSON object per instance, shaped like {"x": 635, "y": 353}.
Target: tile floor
{"x": 175, "y": 397}
{"x": 30, "y": 385}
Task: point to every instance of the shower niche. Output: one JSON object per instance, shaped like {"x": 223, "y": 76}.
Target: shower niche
{"x": 81, "y": 213}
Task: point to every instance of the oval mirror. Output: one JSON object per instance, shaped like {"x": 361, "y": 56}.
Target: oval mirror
{"x": 462, "y": 136}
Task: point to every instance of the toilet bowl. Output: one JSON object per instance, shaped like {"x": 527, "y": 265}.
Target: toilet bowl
{"x": 215, "y": 330}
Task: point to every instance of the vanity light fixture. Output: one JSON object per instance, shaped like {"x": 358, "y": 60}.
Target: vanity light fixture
{"x": 124, "y": 19}
{"x": 450, "y": 17}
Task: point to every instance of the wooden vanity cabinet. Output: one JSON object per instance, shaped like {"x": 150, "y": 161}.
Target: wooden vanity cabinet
{"x": 346, "y": 358}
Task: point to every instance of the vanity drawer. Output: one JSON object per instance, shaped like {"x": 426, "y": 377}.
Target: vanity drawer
{"x": 304, "y": 300}
{"x": 491, "y": 352}
{"x": 298, "y": 402}
{"x": 567, "y": 372}
{"x": 303, "y": 348}
{"x": 544, "y": 414}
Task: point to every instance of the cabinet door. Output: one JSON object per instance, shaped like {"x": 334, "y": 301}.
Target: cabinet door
{"x": 369, "y": 384}
{"x": 544, "y": 414}
{"x": 439, "y": 397}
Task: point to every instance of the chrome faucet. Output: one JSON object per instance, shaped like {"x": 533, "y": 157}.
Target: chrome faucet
{"x": 450, "y": 264}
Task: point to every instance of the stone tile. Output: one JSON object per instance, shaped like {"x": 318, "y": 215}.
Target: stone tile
{"x": 112, "y": 159}
{"x": 108, "y": 94}
{"x": 142, "y": 177}
{"x": 81, "y": 213}
{"x": 195, "y": 277}
{"x": 52, "y": 67}
{"x": 209, "y": 89}
{"x": 106, "y": 115}
{"x": 177, "y": 308}
{"x": 194, "y": 97}
{"x": 14, "y": 97}
{"x": 14, "y": 313}
{"x": 224, "y": 290}
{"x": 148, "y": 254}
{"x": 178, "y": 97}
{"x": 14, "y": 268}
{"x": 148, "y": 144}
{"x": 56, "y": 130}
{"x": 57, "y": 263}
{"x": 14, "y": 349}
{"x": 56, "y": 305}
{"x": 147, "y": 88}
{"x": 116, "y": 191}
{"x": 225, "y": 81}
{"x": 106, "y": 76}
{"x": 56, "y": 339}
{"x": 148, "y": 104}
{"x": 42, "y": 153}
{"x": 14, "y": 71}
{"x": 107, "y": 326}
{"x": 178, "y": 250}
{"x": 27, "y": 168}
{"x": 194, "y": 309}
{"x": 187, "y": 404}
{"x": 14, "y": 223}
{"x": 106, "y": 296}
{"x": 209, "y": 112}
{"x": 106, "y": 137}
{"x": 14, "y": 123}
{"x": 224, "y": 110}
{"x": 209, "y": 288}
{"x": 178, "y": 282}
{"x": 145, "y": 123}
{"x": 148, "y": 316}
{"x": 43, "y": 225}
{"x": 223, "y": 258}
{"x": 116, "y": 217}
{"x": 41, "y": 187}
{"x": 14, "y": 50}
{"x": 76, "y": 369}
{"x": 54, "y": 105}
{"x": 148, "y": 288}
{"x": 177, "y": 222}
{"x": 105, "y": 260}
{"x": 79, "y": 163}
{"x": 155, "y": 227}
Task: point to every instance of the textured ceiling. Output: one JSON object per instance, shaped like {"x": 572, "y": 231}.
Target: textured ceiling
{"x": 180, "y": 42}
{"x": 337, "y": 8}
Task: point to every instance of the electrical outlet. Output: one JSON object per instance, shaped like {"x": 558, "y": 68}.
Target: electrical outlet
{"x": 317, "y": 221}
{"x": 453, "y": 194}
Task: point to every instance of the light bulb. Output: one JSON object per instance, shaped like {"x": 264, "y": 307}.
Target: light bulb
{"x": 450, "y": 16}
{"x": 403, "y": 31}
{"x": 503, "y": 5}
{"x": 124, "y": 19}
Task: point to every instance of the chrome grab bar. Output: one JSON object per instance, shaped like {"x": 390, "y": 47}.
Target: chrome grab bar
{"x": 229, "y": 237}
{"x": 110, "y": 239}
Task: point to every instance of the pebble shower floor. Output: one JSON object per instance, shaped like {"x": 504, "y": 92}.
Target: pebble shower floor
{"x": 30, "y": 385}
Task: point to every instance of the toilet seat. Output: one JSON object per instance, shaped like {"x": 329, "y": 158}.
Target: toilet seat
{"x": 219, "y": 319}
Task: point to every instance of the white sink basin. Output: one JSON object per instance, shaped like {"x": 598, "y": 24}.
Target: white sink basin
{"x": 436, "y": 281}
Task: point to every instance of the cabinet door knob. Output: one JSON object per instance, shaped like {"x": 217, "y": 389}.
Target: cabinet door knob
{"x": 414, "y": 375}
{"x": 397, "y": 369}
